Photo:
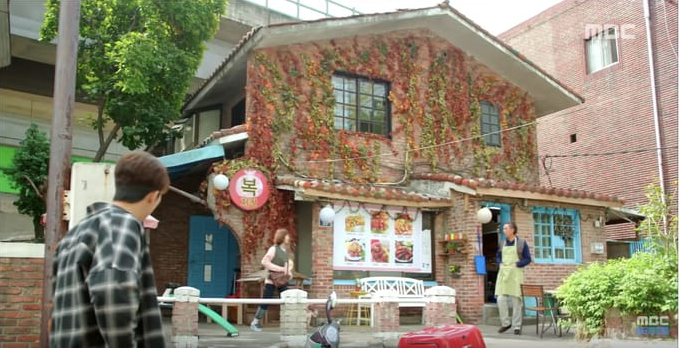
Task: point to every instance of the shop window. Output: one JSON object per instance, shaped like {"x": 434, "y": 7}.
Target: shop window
{"x": 556, "y": 235}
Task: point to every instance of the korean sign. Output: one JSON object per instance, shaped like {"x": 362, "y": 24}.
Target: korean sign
{"x": 249, "y": 189}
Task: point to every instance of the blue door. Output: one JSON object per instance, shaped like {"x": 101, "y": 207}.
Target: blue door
{"x": 213, "y": 257}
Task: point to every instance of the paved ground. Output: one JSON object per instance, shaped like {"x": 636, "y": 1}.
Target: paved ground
{"x": 211, "y": 335}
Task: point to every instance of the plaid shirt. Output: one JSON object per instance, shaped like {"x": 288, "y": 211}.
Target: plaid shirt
{"x": 104, "y": 292}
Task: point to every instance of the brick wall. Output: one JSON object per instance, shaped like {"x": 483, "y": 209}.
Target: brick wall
{"x": 470, "y": 286}
{"x": 20, "y": 301}
{"x": 617, "y": 114}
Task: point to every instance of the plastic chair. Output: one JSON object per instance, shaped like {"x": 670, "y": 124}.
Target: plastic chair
{"x": 542, "y": 308}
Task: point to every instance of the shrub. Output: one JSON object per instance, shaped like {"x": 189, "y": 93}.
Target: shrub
{"x": 645, "y": 284}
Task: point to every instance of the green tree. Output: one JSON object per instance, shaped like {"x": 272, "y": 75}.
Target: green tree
{"x": 31, "y": 163}
{"x": 135, "y": 61}
{"x": 659, "y": 226}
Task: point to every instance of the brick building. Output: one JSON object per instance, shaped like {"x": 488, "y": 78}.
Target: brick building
{"x": 601, "y": 50}
{"x": 414, "y": 116}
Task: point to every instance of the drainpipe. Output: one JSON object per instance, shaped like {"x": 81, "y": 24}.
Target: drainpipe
{"x": 654, "y": 99}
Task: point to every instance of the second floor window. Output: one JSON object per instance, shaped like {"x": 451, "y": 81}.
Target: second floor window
{"x": 556, "y": 235}
{"x": 601, "y": 50}
{"x": 361, "y": 104}
{"x": 490, "y": 124}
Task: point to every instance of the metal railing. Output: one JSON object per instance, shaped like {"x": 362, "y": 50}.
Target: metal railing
{"x": 305, "y": 9}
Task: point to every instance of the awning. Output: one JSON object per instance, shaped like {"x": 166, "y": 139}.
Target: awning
{"x": 615, "y": 215}
{"x": 180, "y": 163}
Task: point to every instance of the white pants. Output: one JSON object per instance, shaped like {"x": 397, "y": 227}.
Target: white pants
{"x": 517, "y": 308}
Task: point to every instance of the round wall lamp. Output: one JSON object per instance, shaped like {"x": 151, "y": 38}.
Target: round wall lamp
{"x": 484, "y": 215}
{"x": 327, "y": 215}
{"x": 221, "y": 182}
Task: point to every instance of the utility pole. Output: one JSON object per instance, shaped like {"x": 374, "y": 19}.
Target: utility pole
{"x": 61, "y": 137}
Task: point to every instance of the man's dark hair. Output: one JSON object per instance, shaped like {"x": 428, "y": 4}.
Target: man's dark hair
{"x": 137, "y": 173}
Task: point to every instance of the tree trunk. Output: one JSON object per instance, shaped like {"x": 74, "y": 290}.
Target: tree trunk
{"x": 103, "y": 147}
{"x": 38, "y": 230}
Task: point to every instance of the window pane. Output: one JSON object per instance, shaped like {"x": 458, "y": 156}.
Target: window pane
{"x": 339, "y": 110}
{"x": 350, "y": 98}
{"x": 378, "y": 128}
{"x": 364, "y": 127}
{"x": 378, "y": 104}
{"x": 547, "y": 241}
{"x": 366, "y": 101}
{"x": 339, "y": 96}
{"x": 337, "y": 82}
{"x": 339, "y": 123}
{"x": 350, "y": 112}
{"x": 365, "y": 87}
{"x": 379, "y": 90}
{"x": 350, "y": 85}
{"x": 365, "y": 115}
{"x": 378, "y": 116}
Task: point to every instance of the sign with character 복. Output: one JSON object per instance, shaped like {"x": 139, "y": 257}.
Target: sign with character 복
{"x": 249, "y": 189}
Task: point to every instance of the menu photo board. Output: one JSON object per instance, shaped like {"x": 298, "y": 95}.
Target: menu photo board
{"x": 381, "y": 238}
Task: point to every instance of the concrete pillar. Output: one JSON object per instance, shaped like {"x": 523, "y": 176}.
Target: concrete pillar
{"x": 293, "y": 317}
{"x": 185, "y": 317}
{"x": 386, "y": 318}
{"x": 440, "y": 307}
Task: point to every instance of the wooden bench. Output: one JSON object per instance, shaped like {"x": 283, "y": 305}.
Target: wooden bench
{"x": 404, "y": 288}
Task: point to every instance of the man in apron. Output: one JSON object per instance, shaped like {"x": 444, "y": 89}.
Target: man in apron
{"x": 512, "y": 257}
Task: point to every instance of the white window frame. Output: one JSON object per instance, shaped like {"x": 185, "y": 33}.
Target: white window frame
{"x": 601, "y": 50}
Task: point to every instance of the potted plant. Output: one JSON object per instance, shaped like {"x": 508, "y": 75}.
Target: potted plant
{"x": 455, "y": 271}
{"x": 454, "y": 247}
{"x": 358, "y": 284}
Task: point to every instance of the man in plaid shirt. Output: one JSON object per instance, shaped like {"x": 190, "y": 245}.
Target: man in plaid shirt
{"x": 103, "y": 283}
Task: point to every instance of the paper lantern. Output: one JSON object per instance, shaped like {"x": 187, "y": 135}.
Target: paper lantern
{"x": 484, "y": 215}
{"x": 221, "y": 181}
{"x": 327, "y": 215}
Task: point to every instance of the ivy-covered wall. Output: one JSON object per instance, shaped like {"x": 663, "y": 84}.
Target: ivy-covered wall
{"x": 435, "y": 95}
{"x": 435, "y": 91}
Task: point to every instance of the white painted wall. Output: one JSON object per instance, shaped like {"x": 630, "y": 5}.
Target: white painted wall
{"x": 32, "y": 250}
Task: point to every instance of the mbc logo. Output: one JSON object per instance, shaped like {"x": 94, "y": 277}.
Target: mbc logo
{"x": 653, "y": 325}
{"x": 624, "y": 31}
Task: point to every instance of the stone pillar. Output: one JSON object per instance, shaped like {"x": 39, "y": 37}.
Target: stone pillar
{"x": 293, "y": 317}
{"x": 386, "y": 318}
{"x": 185, "y": 317}
{"x": 440, "y": 307}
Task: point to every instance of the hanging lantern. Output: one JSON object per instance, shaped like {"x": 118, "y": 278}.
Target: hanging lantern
{"x": 484, "y": 215}
{"x": 221, "y": 182}
{"x": 327, "y": 215}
